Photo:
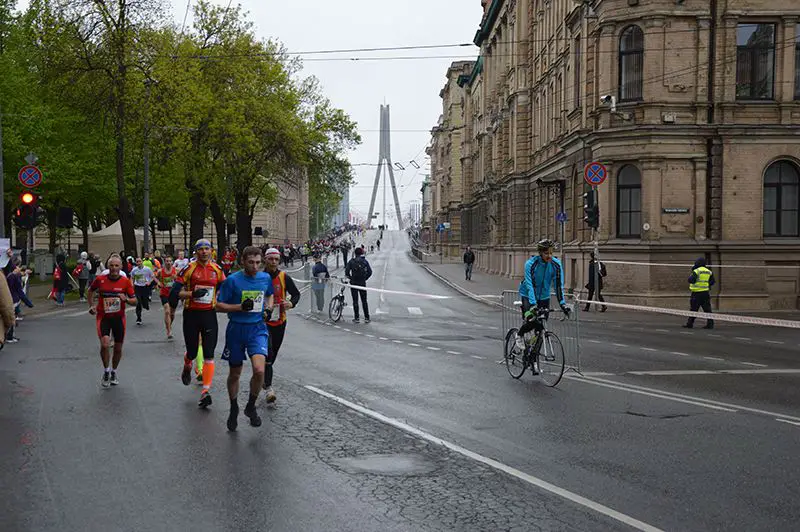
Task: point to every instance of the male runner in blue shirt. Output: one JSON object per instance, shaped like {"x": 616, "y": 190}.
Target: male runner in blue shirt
{"x": 246, "y": 296}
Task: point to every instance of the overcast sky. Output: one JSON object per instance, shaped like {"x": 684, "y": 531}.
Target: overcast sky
{"x": 410, "y": 86}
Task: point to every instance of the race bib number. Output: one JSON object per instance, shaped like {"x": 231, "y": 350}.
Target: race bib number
{"x": 206, "y": 299}
{"x": 169, "y": 282}
{"x": 139, "y": 277}
{"x": 258, "y": 299}
{"x": 112, "y": 305}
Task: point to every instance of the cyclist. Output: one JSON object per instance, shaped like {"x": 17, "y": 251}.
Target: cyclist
{"x": 542, "y": 272}
{"x": 114, "y": 292}
{"x": 199, "y": 283}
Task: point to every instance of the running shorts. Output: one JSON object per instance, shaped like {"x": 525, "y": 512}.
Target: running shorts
{"x": 114, "y": 324}
{"x": 243, "y": 340}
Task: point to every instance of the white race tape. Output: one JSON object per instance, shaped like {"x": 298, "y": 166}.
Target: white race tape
{"x": 711, "y": 266}
{"x": 745, "y": 320}
{"x": 396, "y": 292}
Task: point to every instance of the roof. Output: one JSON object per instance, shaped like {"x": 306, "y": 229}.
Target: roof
{"x": 467, "y": 79}
{"x": 488, "y": 21}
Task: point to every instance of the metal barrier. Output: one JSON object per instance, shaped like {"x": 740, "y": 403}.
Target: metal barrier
{"x": 568, "y": 331}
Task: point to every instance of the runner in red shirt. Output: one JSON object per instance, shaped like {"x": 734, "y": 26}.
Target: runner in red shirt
{"x": 114, "y": 292}
{"x": 165, "y": 278}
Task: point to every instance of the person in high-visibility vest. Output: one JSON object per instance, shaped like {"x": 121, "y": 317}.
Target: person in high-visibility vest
{"x": 700, "y": 282}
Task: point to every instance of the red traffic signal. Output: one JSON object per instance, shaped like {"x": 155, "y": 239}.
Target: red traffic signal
{"x": 28, "y": 198}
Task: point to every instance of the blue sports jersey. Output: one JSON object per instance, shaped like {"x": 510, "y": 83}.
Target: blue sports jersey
{"x": 239, "y": 287}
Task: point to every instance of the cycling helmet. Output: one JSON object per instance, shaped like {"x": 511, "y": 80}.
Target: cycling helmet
{"x": 545, "y": 244}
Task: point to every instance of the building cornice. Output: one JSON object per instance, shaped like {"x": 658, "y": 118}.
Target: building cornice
{"x": 487, "y": 23}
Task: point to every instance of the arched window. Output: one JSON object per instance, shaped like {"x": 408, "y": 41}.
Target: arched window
{"x": 782, "y": 200}
{"x": 629, "y": 202}
{"x": 631, "y": 64}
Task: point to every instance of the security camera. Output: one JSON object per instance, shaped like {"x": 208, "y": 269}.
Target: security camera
{"x": 610, "y": 100}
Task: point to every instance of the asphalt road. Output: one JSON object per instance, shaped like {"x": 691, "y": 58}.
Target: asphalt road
{"x": 669, "y": 430}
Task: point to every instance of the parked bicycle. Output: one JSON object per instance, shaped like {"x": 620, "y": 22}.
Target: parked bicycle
{"x": 337, "y": 304}
{"x": 543, "y": 352}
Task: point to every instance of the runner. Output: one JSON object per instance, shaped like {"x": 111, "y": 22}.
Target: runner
{"x": 282, "y": 284}
{"x": 199, "y": 283}
{"x": 245, "y": 296}
{"x": 142, "y": 279}
{"x": 115, "y": 291}
{"x": 181, "y": 262}
{"x": 165, "y": 279}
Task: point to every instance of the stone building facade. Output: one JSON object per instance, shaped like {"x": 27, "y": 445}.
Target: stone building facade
{"x": 693, "y": 107}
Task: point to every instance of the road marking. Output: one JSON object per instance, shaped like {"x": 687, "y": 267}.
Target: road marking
{"x": 620, "y": 345}
{"x": 775, "y": 342}
{"x": 708, "y": 403}
{"x": 477, "y": 357}
{"x": 597, "y": 374}
{"x": 370, "y": 335}
{"x": 771, "y": 371}
{"x": 356, "y": 332}
{"x": 742, "y": 338}
{"x": 649, "y": 349}
{"x": 680, "y": 354}
{"x": 596, "y": 341}
{"x": 670, "y": 372}
{"x": 662, "y": 330}
{"x": 535, "y": 481}
{"x": 715, "y": 335}
{"x": 346, "y": 329}
{"x": 714, "y": 358}
{"x": 380, "y": 311}
{"x": 686, "y": 332}
{"x": 397, "y": 341}
{"x": 337, "y": 326}
{"x": 754, "y": 364}
{"x": 414, "y": 345}
{"x": 645, "y": 391}
{"x": 382, "y": 338}
{"x": 415, "y": 311}
{"x": 795, "y": 423}
{"x": 434, "y": 348}
{"x": 454, "y": 352}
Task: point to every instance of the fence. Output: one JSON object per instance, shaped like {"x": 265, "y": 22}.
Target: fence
{"x": 568, "y": 331}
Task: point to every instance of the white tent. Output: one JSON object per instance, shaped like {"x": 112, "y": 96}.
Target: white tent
{"x": 109, "y": 240}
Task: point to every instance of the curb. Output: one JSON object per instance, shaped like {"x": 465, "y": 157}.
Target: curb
{"x": 462, "y": 291}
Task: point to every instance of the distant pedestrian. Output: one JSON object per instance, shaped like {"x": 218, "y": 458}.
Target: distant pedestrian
{"x": 6, "y": 310}
{"x": 142, "y": 277}
{"x": 321, "y": 276}
{"x": 359, "y": 271}
{"x": 700, "y": 282}
{"x": 60, "y": 279}
{"x": 81, "y": 272}
{"x": 599, "y": 274}
{"x": 469, "y": 260}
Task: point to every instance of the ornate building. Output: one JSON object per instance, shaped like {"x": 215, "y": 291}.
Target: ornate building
{"x": 692, "y": 105}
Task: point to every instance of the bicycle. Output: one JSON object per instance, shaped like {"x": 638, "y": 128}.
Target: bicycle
{"x": 337, "y": 303}
{"x": 549, "y": 365}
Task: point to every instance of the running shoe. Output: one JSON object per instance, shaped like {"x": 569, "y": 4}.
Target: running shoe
{"x": 366, "y": 320}
{"x": 186, "y": 375}
{"x": 114, "y": 379}
{"x": 251, "y": 412}
{"x": 205, "y": 400}
{"x": 271, "y": 397}
{"x": 13, "y": 340}
{"x": 233, "y": 422}
{"x": 106, "y": 382}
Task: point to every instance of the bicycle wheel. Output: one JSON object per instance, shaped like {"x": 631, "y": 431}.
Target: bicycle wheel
{"x": 551, "y": 359}
{"x": 515, "y": 359}
{"x": 335, "y": 309}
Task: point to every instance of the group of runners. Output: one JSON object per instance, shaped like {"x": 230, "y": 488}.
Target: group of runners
{"x": 255, "y": 299}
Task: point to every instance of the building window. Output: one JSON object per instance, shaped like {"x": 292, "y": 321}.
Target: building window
{"x": 782, "y": 200}
{"x": 797, "y": 66}
{"x": 577, "y": 70}
{"x": 755, "y": 61}
{"x": 631, "y": 64}
{"x": 629, "y": 202}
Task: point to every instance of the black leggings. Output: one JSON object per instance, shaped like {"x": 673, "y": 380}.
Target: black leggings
{"x": 536, "y": 324}
{"x": 276, "y": 333}
{"x": 196, "y": 324}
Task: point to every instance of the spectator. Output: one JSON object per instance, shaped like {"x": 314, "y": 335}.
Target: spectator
{"x": 359, "y": 271}
{"x": 6, "y": 309}
{"x": 469, "y": 260}
{"x": 82, "y": 273}
{"x": 60, "y": 279}
{"x": 15, "y": 287}
{"x": 590, "y": 285}
{"x": 321, "y": 275}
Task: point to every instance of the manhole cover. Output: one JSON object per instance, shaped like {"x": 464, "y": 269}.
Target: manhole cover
{"x": 393, "y": 465}
{"x": 445, "y": 338}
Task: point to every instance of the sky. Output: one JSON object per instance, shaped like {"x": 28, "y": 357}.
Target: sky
{"x": 410, "y": 86}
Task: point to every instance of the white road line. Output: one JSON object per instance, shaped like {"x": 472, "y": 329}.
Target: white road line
{"x": 535, "y": 481}
{"x": 778, "y": 342}
{"x": 795, "y": 423}
{"x": 715, "y": 335}
{"x": 708, "y": 403}
{"x": 596, "y": 341}
{"x": 356, "y": 332}
{"x": 686, "y": 332}
{"x": 620, "y": 345}
{"x": 597, "y": 374}
{"x": 397, "y": 341}
{"x": 454, "y": 352}
{"x": 680, "y": 354}
{"x": 713, "y": 358}
{"x": 644, "y": 391}
{"x": 754, "y": 364}
{"x": 415, "y": 311}
{"x": 346, "y": 329}
{"x": 477, "y": 357}
{"x": 337, "y": 326}
{"x": 649, "y": 349}
{"x": 382, "y": 338}
{"x": 776, "y": 371}
{"x": 671, "y": 372}
{"x": 434, "y": 348}
{"x": 742, "y": 338}
{"x": 414, "y": 345}
{"x": 662, "y": 330}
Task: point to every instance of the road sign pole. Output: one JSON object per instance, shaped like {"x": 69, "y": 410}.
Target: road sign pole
{"x": 146, "y": 211}
{"x": 596, "y": 253}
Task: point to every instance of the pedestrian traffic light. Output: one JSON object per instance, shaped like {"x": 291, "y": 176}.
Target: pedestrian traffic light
{"x": 591, "y": 210}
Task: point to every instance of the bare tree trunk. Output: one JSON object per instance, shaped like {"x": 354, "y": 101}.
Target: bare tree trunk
{"x": 84, "y": 221}
{"x": 244, "y": 220}
{"x": 197, "y": 216}
{"x": 221, "y": 224}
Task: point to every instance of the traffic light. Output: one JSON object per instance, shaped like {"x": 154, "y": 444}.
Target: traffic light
{"x": 29, "y": 198}
{"x": 591, "y": 210}
{"x": 26, "y": 215}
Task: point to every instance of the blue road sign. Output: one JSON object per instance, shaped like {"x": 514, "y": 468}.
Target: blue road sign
{"x": 30, "y": 176}
{"x": 561, "y": 217}
{"x": 595, "y": 173}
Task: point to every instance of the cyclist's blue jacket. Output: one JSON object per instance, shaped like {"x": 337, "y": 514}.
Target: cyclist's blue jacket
{"x": 523, "y": 289}
{"x": 541, "y": 275}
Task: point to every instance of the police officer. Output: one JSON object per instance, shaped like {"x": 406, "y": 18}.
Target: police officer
{"x": 700, "y": 282}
